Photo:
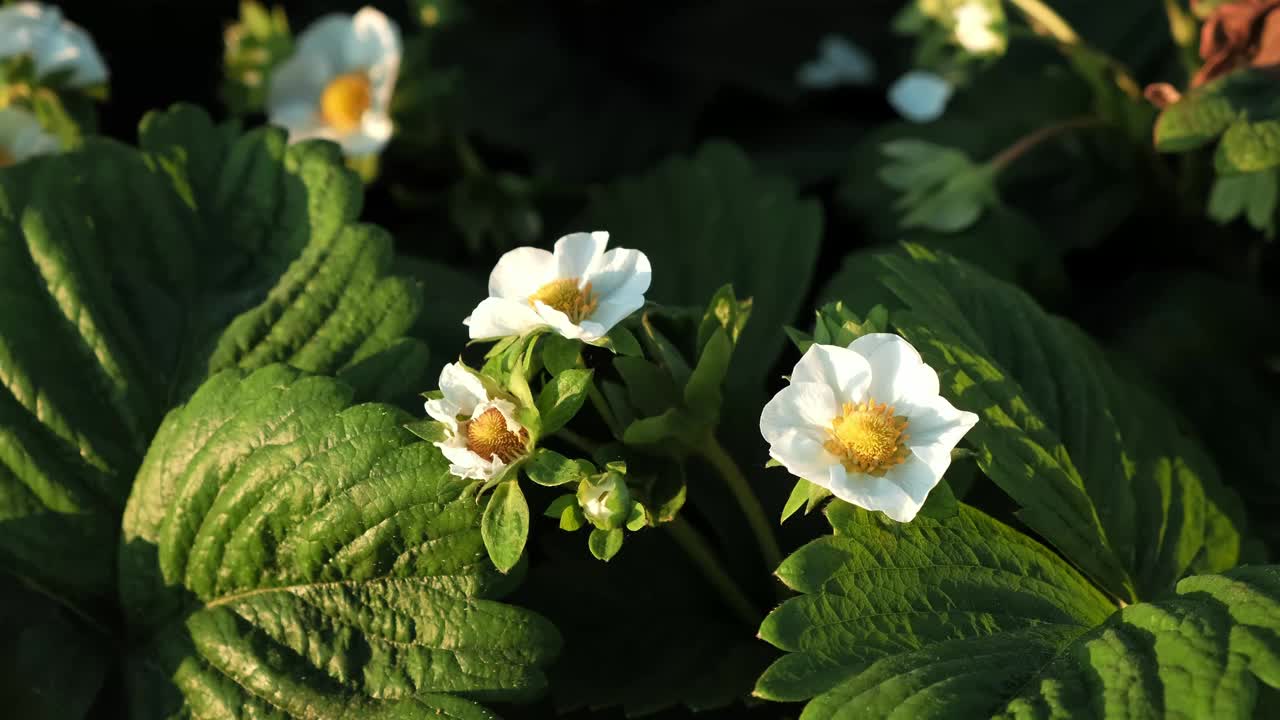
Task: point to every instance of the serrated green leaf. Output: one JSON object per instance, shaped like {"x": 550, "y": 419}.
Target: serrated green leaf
{"x": 505, "y": 525}
{"x": 285, "y": 552}
{"x": 551, "y": 469}
{"x": 650, "y": 390}
{"x": 1251, "y": 195}
{"x": 624, "y": 342}
{"x": 1109, "y": 478}
{"x": 966, "y": 618}
{"x": 562, "y": 398}
{"x": 724, "y": 311}
{"x": 604, "y": 544}
{"x": 559, "y": 505}
{"x": 127, "y": 277}
{"x": 1240, "y": 107}
{"x": 1249, "y": 147}
{"x": 714, "y": 219}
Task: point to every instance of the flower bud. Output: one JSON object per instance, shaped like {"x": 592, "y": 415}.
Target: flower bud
{"x": 605, "y": 500}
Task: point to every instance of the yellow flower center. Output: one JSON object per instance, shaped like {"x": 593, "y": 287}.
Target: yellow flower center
{"x": 565, "y": 295}
{"x": 487, "y": 435}
{"x": 6, "y": 158}
{"x": 344, "y": 101}
{"x": 868, "y": 438}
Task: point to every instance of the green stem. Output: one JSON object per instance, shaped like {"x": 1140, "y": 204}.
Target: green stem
{"x": 713, "y": 452}
{"x": 1028, "y": 142}
{"x": 1045, "y": 20}
{"x": 699, "y": 550}
{"x": 1182, "y": 27}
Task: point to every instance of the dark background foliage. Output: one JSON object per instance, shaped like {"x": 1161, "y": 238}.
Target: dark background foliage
{"x": 575, "y": 93}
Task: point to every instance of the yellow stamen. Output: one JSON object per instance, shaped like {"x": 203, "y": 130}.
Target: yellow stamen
{"x": 868, "y": 438}
{"x": 565, "y": 295}
{"x": 487, "y": 435}
{"x": 345, "y": 101}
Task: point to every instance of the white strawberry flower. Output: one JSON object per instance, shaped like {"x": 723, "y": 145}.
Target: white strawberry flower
{"x": 482, "y": 435}
{"x": 867, "y": 423}
{"x": 580, "y": 291}
{"x": 22, "y": 137}
{"x": 54, "y": 44}
{"x": 973, "y": 28}
{"x": 337, "y": 84}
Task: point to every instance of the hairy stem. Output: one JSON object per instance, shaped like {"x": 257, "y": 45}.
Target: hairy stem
{"x": 699, "y": 550}
{"x": 602, "y": 407}
{"x": 713, "y": 452}
{"x": 1033, "y": 139}
{"x": 1045, "y": 20}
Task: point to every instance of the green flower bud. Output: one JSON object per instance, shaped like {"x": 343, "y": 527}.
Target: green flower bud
{"x": 605, "y": 500}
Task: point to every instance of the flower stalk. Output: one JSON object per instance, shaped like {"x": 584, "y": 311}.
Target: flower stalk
{"x": 699, "y": 551}
{"x": 714, "y": 453}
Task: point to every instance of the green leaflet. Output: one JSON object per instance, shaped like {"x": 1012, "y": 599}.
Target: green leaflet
{"x": 714, "y": 219}
{"x": 127, "y": 277}
{"x": 1240, "y": 108}
{"x": 967, "y": 618}
{"x": 1100, "y": 468}
{"x": 287, "y": 553}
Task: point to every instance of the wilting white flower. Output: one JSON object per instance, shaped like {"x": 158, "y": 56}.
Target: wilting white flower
{"x": 973, "y": 28}
{"x": 920, "y": 96}
{"x": 482, "y": 436}
{"x": 580, "y": 290}
{"x": 54, "y": 44}
{"x": 338, "y": 83}
{"x": 867, "y": 423}
{"x": 22, "y": 136}
{"x": 839, "y": 62}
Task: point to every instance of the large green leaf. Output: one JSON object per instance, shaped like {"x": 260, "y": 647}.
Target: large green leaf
{"x": 287, "y": 554}
{"x": 127, "y": 277}
{"x": 712, "y": 220}
{"x": 967, "y": 618}
{"x": 1099, "y": 467}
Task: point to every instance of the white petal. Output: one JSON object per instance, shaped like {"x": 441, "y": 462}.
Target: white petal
{"x": 499, "y": 317}
{"x": 609, "y": 313}
{"x": 803, "y": 455}
{"x": 295, "y": 86}
{"x": 374, "y": 46}
{"x": 897, "y": 373}
{"x": 935, "y": 429}
{"x": 561, "y": 323}
{"x": 22, "y": 135}
{"x": 804, "y": 406}
{"x": 442, "y": 410}
{"x": 577, "y": 252}
{"x": 374, "y": 133}
{"x": 521, "y": 273}
{"x": 621, "y": 274}
{"x": 67, "y": 47}
{"x": 846, "y": 372}
{"x": 462, "y": 388}
{"x": 920, "y": 96}
{"x": 327, "y": 37}
{"x": 917, "y": 479}
{"x": 874, "y": 493}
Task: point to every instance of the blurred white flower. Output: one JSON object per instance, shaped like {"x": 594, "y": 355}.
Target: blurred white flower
{"x": 580, "y": 291}
{"x": 55, "y": 45}
{"x": 973, "y": 29}
{"x": 338, "y": 83}
{"x": 482, "y": 435}
{"x": 22, "y": 137}
{"x": 839, "y": 62}
{"x": 867, "y": 423}
{"x": 920, "y": 96}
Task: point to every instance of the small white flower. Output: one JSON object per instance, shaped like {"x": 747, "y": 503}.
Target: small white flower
{"x": 839, "y": 62}
{"x": 54, "y": 44}
{"x": 22, "y": 137}
{"x": 338, "y": 83}
{"x": 973, "y": 28}
{"x": 867, "y": 423}
{"x": 482, "y": 435}
{"x": 580, "y": 291}
{"x": 920, "y": 96}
